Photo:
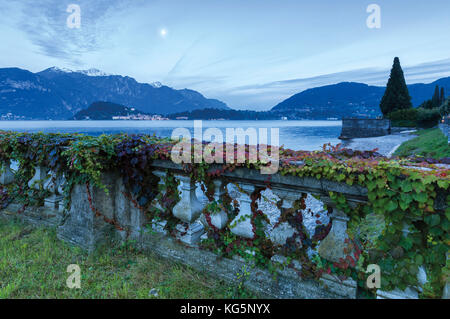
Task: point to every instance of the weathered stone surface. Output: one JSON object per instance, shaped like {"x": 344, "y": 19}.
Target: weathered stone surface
{"x": 408, "y": 293}
{"x": 219, "y": 220}
{"x": 241, "y": 224}
{"x": 54, "y": 183}
{"x": 422, "y": 276}
{"x": 332, "y": 246}
{"x": 188, "y": 209}
{"x": 158, "y": 226}
{"x": 190, "y": 234}
{"x": 281, "y": 233}
{"x": 288, "y": 285}
{"x": 355, "y": 128}
{"x": 7, "y": 175}
{"x": 80, "y": 226}
{"x": 446, "y": 293}
{"x": 55, "y": 202}
{"x": 346, "y": 288}
{"x": 40, "y": 176}
{"x": 137, "y": 223}
{"x": 161, "y": 175}
{"x": 122, "y": 204}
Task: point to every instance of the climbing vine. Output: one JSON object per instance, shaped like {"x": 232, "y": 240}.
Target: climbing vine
{"x": 409, "y": 195}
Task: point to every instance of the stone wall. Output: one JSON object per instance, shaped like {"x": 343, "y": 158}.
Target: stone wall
{"x": 83, "y": 226}
{"x": 445, "y": 128}
{"x": 357, "y": 128}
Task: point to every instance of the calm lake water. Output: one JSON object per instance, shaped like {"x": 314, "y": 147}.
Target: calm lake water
{"x": 298, "y": 135}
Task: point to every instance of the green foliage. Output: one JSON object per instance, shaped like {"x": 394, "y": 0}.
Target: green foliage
{"x": 415, "y": 117}
{"x": 399, "y": 190}
{"x": 436, "y": 99}
{"x": 428, "y": 104}
{"x": 445, "y": 108}
{"x": 404, "y": 118}
{"x": 430, "y": 143}
{"x": 396, "y": 96}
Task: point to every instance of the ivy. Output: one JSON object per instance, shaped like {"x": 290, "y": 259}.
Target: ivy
{"x": 403, "y": 191}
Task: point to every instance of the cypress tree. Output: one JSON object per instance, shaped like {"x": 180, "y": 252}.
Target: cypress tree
{"x": 436, "y": 97}
{"x": 442, "y": 96}
{"x": 396, "y": 96}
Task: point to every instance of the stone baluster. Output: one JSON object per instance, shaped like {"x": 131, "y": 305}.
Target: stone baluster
{"x": 332, "y": 246}
{"x": 40, "y": 176}
{"x": 7, "y": 175}
{"x": 158, "y": 225}
{"x": 54, "y": 184}
{"x": 241, "y": 224}
{"x": 288, "y": 196}
{"x": 160, "y": 175}
{"x": 218, "y": 219}
{"x": 283, "y": 231}
{"x": 188, "y": 210}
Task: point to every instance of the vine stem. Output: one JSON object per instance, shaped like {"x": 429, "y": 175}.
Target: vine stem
{"x": 97, "y": 213}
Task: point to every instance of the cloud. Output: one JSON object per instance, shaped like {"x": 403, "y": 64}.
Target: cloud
{"x": 44, "y": 24}
{"x": 266, "y": 95}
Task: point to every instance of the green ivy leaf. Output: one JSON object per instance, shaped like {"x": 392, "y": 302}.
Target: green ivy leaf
{"x": 391, "y": 205}
{"x": 432, "y": 220}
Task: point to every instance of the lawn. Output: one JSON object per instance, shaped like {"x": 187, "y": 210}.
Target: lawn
{"x": 33, "y": 264}
{"x": 429, "y": 143}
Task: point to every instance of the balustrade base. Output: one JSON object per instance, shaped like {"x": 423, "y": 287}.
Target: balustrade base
{"x": 159, "y": 227}
{"x": 346, "y": 288}
{"x": 54, "y": 202}
{"x": 408, "y": 293}
{"x": 190, "y": 235}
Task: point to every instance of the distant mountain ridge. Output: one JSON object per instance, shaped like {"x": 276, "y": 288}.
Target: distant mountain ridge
{"x": 352, "y": 99}
{"x": 57, "y": 93}
{"x": 60, "y": 93}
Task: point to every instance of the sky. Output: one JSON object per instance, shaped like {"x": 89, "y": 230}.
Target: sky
{"x": 251, "y": 54}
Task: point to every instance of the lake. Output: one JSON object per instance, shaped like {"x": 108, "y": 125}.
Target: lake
{"x": 298, "y": 135}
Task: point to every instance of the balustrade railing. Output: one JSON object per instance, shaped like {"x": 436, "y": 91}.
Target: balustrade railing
{"x": 92, "y": 210}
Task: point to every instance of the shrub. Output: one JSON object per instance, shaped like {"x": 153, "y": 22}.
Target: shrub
{"x": 428, "y": 118}
{"x": 418, "y": 117}
{"x": 445, "y": 108}
{"x": 404, "y": 118}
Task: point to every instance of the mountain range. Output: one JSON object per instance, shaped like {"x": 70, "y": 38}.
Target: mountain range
{"x": 60, "y": 93}
{"x": 351, "y": 99}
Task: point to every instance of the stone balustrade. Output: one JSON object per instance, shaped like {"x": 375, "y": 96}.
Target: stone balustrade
{"x": 94, "y": 217}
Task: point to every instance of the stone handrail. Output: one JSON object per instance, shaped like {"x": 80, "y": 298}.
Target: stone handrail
{"x": 94, "y": 215}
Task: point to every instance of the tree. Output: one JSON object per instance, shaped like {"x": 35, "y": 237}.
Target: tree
{"x": 436, "y": 97}
{"x": 396, "y": 96}
{"x": 428, "y": 104}
{"x": 442, "y": 96}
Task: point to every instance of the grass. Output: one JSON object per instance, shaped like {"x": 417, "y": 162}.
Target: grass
{"x": 33, "y": 264}
{"x": 430, "y": 143}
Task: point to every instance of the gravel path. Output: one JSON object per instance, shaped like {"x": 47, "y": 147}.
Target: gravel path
{"x": 386, "y": 144}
